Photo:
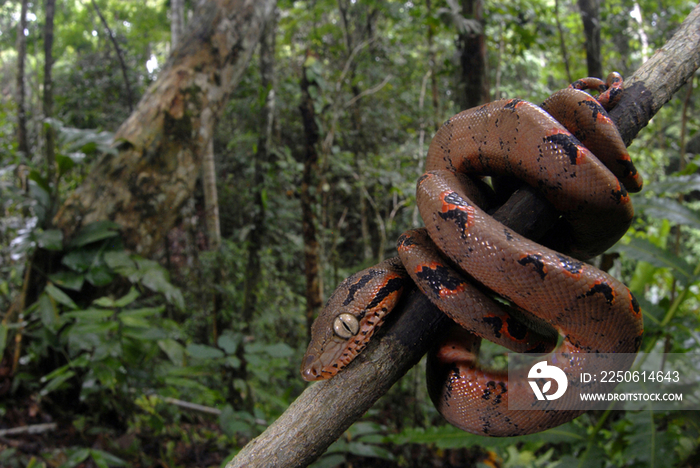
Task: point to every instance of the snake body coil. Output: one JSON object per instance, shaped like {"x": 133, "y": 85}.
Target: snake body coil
{"x": 550, "y": 292}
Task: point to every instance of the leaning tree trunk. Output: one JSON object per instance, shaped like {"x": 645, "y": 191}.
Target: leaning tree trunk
{"x": 162, "y": 143}
{"x": 22, "y": 143}
{"x": 326, "y": 409}
{"x": 590, "y": 16}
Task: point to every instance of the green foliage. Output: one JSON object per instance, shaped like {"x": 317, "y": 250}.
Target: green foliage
{"x": 112, "y": 340}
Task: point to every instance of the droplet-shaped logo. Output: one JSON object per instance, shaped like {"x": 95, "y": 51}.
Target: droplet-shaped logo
{"x": 542, "y": 370}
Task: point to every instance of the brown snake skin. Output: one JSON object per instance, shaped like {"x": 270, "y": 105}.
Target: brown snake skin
{"x": 463, "y": 253}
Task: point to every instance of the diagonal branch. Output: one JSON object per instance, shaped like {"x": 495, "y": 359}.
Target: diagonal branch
{"x": 120, "y": 56}
{"x": 369, "y": 91}
{"x": 326, "y": 409}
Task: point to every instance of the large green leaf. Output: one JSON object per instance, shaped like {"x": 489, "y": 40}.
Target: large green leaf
{"x": 128, "y": 298}
{"x": 279, "y": 350}
{"x": 143, "y": 312}
{"x": 122, "y": 263}
{"x": 329, "y": 460}
{"x": 47, "y": 312}
{"x": 650, "y": 310}
{"x": 104, "y": 459}
{"x": 60, "y": 297}
{"x": 3, "y": 338}
{"x": 80, "y": 260}
{"x": 68, "y": 279}
{"x": 100, "y": 328}
{"x": 82, "y": 140}
{"x": 675, "y": 184}
{"x": 99, "y": 275}
{"x": 232, "y": 421}
{"x": 642, "y": 249}
{"x": 155, "y": 278}
{"x": 94, "y": 232}
{"x": 51, "y": 239}
{"x": 125, "y": 300}
{"x": 40, "y": 180}
{"x": 174, "y": 350}
{"x": 90, "y": 315}
{"x": 135, "y": 322}
{"x": 56, "y": 382}
{"x": 143, "y": 331}
{"x": 667, "y": 208}
{"x": 64, "y": 164}
{"x": 76, "y": 458}
{"x": 203, "y": 352}
{"x": 229, "y": 341}
{"x": 361, "y": 449}
{"x": 647, "y": 444}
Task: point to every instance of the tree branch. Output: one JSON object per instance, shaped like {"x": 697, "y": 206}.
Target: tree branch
{"x": 369, "y": 91}
{"x": 120, "y": 56}
{"x": 32, "y": 429}
{"x": 326, "y": 409}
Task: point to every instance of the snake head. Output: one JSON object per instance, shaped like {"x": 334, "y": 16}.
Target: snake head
{"x": 353, "y": 313}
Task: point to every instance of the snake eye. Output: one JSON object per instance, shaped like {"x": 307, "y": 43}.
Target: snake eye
{"x": 346, "y": 325}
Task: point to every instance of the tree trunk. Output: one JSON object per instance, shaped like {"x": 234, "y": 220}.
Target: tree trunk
{"x": 22, "y": 143}
{"x": 211, "y": 197}
{"x": 473, "y": 88}
{"x": 177, "y": 22}
{"x": 48, "y": 99}
{"x": 591, "y": 27}
{"x": 325, "y": 409}
{"x": 162, "y": 143}
{"x": 308, "y": 195}
{"x": 437, "y": 121}
{"x": 257, "y": 234}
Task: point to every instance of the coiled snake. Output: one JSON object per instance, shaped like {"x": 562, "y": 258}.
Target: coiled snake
{"x": 549, "y": 290}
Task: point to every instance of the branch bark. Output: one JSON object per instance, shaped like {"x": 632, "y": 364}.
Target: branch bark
{"x": 326, "y": 409}
{"x": 162, "y": 143}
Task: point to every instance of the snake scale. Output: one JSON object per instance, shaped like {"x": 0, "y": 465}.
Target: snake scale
{"x": 462, "y": 254}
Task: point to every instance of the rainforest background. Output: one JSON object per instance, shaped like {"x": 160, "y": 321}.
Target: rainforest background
{"x": 184, "y": 183}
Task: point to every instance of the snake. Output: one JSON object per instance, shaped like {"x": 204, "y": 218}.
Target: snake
{"x": 493, "y": 283}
